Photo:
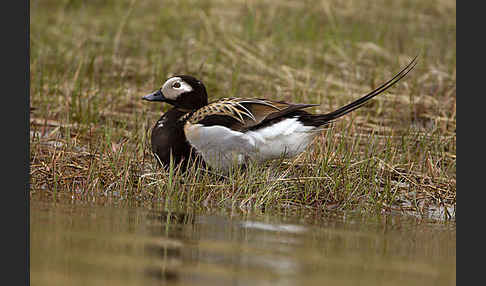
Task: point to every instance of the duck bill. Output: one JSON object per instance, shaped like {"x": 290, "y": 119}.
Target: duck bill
{"x": 155, "y": 96}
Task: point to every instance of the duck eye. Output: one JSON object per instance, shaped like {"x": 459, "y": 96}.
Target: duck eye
{"x": 176, "y": 85}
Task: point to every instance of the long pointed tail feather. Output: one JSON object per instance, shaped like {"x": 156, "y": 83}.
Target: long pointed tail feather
{"x": 328, "y": 117}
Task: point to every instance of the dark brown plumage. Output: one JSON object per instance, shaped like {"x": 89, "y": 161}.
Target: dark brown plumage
{"x": 168, "y": 139}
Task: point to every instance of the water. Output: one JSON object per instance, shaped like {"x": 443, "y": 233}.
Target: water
{"x": 85, "y": 244}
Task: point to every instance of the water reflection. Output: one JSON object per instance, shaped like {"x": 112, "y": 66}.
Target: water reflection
{"x": 75, "y": 244}
{"x": 168, "y": 254}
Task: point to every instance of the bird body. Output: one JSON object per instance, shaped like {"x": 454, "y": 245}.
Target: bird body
{"x": 230, "y": 131}
{"x": 233, "y": 131}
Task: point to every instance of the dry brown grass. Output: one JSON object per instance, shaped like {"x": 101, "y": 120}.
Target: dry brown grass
{"x": 91, "y": 62}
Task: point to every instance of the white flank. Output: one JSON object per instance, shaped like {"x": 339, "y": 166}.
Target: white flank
{"x": 287, "y": 138}
{"x": 222, "y": 147}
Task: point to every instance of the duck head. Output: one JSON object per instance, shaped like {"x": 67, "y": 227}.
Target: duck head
{"x": 181, "y": 91}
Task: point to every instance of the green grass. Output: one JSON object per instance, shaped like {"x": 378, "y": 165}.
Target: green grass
{"x": 91, "y": 61}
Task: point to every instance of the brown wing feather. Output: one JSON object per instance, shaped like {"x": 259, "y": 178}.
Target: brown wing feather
{"x": 242, "y": 113}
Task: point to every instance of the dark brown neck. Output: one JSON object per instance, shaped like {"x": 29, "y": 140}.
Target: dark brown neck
{"x": 184, "y": 110}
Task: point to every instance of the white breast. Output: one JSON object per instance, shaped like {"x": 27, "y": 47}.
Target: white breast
{"x": 222, "y": 147}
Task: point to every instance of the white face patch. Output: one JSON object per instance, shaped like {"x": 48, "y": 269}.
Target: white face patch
{"x": 174, "y": 87}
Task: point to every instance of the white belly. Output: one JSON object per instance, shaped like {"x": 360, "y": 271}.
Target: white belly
{"x": 222, "y": 147}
